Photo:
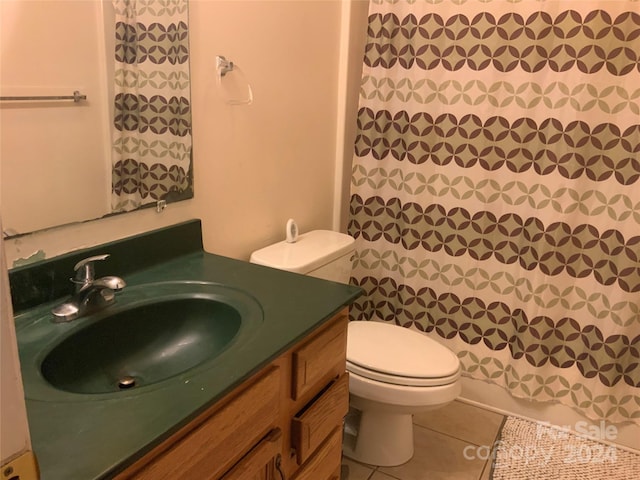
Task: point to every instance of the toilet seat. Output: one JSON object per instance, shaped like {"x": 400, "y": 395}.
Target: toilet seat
{"x": 396, "y": 355}
{"x": 399, "y": 380}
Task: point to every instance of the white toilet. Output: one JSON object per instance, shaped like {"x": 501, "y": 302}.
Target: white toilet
{"x": 394, "y": 372}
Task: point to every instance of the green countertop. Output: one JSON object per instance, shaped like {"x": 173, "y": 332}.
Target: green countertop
{"x": 82, "y": 437}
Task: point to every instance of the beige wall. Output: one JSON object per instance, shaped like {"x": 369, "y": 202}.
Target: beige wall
{"x": 54, "y": 153}
{"x": 260, "y": 164}
{"x": 353, "y": 41}
{"x": 14, "y": 432}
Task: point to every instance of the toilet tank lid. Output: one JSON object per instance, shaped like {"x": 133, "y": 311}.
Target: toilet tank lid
{"x": 312, "y": 250}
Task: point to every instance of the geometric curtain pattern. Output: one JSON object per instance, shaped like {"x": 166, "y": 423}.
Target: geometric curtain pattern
{"x": 496, "y": 191}
{"x": 152, "y": 121}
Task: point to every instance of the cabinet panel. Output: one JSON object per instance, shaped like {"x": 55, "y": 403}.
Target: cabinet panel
{"x": 320, "y": 359}
{"x": 215, "y": 445}
{"x": 323, "y": 465}
{"x": 312, "y": 426}
{"x": 259, "y": 463}
{"x": 298, "y": 401}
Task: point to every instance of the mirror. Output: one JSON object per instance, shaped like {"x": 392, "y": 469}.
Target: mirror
{"x": 125, "y": 146}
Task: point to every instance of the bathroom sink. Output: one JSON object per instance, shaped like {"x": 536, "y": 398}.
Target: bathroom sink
{"x": 155, "y": 333}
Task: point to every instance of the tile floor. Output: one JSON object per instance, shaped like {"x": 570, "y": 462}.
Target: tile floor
{"x": 440, "y": 440}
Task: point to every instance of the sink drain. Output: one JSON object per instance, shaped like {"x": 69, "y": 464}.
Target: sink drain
{"x": 126, "y": 382}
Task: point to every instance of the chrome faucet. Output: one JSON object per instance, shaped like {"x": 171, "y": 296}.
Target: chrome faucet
{"x": 91, "y": 294}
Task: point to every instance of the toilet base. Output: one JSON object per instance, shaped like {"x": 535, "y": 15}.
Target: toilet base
{"x": 383, "y": 439}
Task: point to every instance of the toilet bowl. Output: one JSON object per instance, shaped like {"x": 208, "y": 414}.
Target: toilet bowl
{"x": 394, "y": 372}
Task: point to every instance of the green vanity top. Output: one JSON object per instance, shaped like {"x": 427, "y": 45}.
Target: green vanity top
{"x": 80, "y": 436}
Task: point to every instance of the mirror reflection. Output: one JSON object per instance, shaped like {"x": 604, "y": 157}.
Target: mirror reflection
{"x": 128, "y": 145}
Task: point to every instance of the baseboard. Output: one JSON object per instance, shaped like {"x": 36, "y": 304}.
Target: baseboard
{"x": 497, "y": 399}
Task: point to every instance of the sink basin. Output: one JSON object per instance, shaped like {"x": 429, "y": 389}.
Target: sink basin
{"x": 154, "y": 333}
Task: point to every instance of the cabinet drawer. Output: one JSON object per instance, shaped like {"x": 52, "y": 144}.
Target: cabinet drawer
{"x": 259, "y": 463}
{"x": 312, "y": 426}
{"x": 320, "y": 359}
{"x": 221, "y": 440}
{"x": 324, "y": 464}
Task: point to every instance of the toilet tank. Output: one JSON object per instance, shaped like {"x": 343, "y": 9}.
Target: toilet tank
{"x": 320, "y": 253}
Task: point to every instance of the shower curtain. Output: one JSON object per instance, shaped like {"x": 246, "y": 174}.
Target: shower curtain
{"x": 151, "y": 148}
{"x": 496, "y": 191}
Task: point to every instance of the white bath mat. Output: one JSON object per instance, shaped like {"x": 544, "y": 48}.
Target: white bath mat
{"x": 535, "y": 451}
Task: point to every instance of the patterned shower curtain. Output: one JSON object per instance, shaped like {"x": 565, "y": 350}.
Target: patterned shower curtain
{"x": 151, "y": 148}
{"x": 496, "y": 191}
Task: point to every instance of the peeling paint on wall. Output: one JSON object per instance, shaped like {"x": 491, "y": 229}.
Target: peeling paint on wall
{"x": 36, "y": 257}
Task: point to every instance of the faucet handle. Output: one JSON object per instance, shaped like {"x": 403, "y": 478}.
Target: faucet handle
{"x": 84, "y": 269}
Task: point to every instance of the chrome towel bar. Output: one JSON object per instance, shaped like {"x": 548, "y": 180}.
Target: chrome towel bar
{"x": 76, "y": 97}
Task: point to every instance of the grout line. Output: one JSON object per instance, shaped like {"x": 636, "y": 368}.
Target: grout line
{"x": 386, "y": 475}
{"x": 490, "y": 461}
{"x": 448, "y": 435}
{"x": 484, "y": 469}
{"x": 486, "y": 465}
{"x": 373, "y": 468}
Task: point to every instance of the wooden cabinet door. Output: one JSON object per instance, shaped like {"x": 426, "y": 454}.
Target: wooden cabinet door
{"x": 326, "y": 461}
{"x": 216, "y": 444}
{"x": 311, "y": 427}
{"x": 260, "y": 462}
{"x": 320, "y": 359}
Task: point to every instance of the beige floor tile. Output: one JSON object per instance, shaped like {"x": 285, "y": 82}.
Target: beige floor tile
{"x": 437, "y": 457}
{"x": 486, "y": 473}
{"x": 382, "y": 476}
{"x": 463, "y": 421}
{"x": 357, "y": 471}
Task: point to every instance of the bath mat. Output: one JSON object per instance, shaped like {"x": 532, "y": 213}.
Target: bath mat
{"x": 536, "y": 451}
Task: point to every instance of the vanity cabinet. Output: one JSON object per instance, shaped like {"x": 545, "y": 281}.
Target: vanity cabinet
{"x": 285, "y": 422}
